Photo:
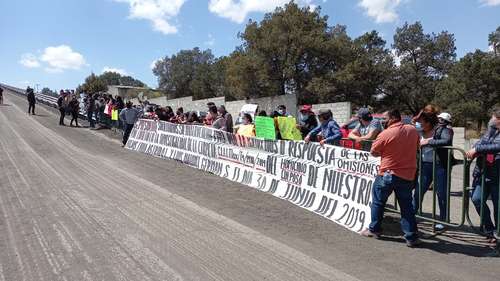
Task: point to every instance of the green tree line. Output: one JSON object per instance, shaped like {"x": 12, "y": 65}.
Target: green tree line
{"x": 294, "y": 50}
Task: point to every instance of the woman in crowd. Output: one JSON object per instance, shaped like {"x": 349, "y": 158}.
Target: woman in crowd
{"x": 487, "y": 149}
{"x": 246, "y": 129}
{"x": 193, "y": 119}
{"x": 74, "y": 107}
{"x": 435, "y": 133}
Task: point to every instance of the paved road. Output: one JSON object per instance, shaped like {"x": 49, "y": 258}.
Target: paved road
{"x": 76, "y": 206}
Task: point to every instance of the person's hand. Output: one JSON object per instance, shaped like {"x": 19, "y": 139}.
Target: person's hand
{"x": 471, "y": 154}
{"x": 355, "y": 138}
{"x": 307, "y": 139}
{"x": 424, "y": 142}
{"x": 322, "y": 142}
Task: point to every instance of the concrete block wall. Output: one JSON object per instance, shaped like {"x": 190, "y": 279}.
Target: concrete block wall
{"x": 201, "y": 105}
{"x": 234, "y": 107}
{"x": 342, "y": 111}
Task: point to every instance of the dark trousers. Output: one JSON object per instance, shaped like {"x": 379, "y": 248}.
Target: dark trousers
{"x": 380, "y": 193}
{"x": 31, "y": 108}
{"x": 74, "y": 117}
{"x": 90, "y": 118}
{"x": 61, "y": 118}
{"x": 440, "y": 185}
{"x": 126, "y": 133}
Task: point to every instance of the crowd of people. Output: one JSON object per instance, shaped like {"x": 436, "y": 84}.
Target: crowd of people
{"x": 396, "y": 141}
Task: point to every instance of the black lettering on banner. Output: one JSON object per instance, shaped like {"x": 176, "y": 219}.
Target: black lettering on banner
{"x": 261, "y": 181}
{"x": 247, "y": 177}
{"x": 226, "y": 170}
{"x": 312, "y": 178}
{"x": 271, "y": 164}
{"x": 274, "y": 186}
{"x": 325, "y": 204}
{"x": 236, "y": 174}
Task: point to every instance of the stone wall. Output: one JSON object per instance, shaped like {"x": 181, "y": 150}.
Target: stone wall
{"x": 342, "y": 111}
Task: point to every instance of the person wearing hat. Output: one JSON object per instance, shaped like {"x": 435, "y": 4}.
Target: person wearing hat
{"x": 367, "y": 128}
{"x": 307, "y": 120}
{"x": 328, "y": 128}
{"x": 441, "y": 135}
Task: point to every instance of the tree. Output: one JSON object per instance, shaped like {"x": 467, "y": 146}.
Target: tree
{"x": 494, "y": 41}
{"x": 187, "y": 73}
{"x": 472, "y": 88}
{"x": 113, "y": 78}
{"x": 93, "y": 84}
{"x": 287, "y": 46}
{"x": 49, "y": 92}
{"x": 425, "y": 60}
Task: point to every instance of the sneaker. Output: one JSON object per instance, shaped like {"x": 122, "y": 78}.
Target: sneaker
{"x": 413, "y": 243}
{"x": 439, "y": 227}
{"x": 368, "y": 233}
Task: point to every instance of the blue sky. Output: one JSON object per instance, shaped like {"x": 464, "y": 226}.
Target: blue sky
{"x": 57, "y": 43}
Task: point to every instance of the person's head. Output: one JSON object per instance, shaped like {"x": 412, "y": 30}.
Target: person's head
{"x": 428, "y": 121}
{"x": 324, "y": 115}
{"x": 281, "y": 109}
{"x": 210, "y": 104}
{"x": 212, "y": 110}
{"x": 444, "y": 119}
{"x": 61, "y": 92}
{"x": 262, "y": 113}
{"x": 391, "y": 117}
{"x": 222, "y": 110}
{"x": 193, "y": 117}
{"x": 495, "y": 118}
{"x": 247, "y": 119}
{"x": 365, "y": 116}
{"x": 180, "y": 111}
{"x": 306, "y": 111}
{"x": 118, "y": 98}
{"x": 129, "y": 104}
{"x": 169, "y": 109}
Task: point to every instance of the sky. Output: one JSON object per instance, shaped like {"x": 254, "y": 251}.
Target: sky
{"x": 57, "y": 43}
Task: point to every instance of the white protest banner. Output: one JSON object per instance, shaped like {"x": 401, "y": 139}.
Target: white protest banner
{"x": 334, "y": 182}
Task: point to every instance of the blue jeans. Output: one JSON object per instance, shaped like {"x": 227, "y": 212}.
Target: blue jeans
{"x": 381, "y": 192}
{"x": 90, "y": 118}
{"x": 491, "y": 187}
{"x": 440, "y": 185}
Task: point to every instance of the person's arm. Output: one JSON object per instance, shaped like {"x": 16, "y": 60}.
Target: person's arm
{"x": 314, "y": 132}
{"x": 378, "y": 146}
{"x": 488, "y": 148}
{"x": 354, "y": 134}
{"x": 336, "y": 134}
{"x": 445, "y": 140}
{"x": 122, "y": 115}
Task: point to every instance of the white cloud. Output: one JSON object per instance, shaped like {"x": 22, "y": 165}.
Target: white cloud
{"x": 112, "y": 69}
{"x": 381, "y": 10}
{"x": 237, "y": 10}
{"x": 490, "y": 2}
{"x": 29, "y": 60}
{"x": 60, "y": 58}
{"x": 159, "y": 12}
{"x": 153, "y": 63}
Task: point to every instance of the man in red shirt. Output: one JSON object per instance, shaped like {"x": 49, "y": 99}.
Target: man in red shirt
{"x": 397, "y": 146}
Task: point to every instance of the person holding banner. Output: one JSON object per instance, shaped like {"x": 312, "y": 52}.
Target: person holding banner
{"x": 247, "y": 129}
{"x": 329, "y": 129}
{"x": 397, "y": 146}
{"x": 129, "y": 116}
{"x": 307, "y": 120}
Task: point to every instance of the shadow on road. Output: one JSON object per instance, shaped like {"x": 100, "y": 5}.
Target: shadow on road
{"x": 460, "y": 240}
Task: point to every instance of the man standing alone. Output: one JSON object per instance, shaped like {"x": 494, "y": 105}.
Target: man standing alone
{"x": 62, "y": 110}
{"x": 31, "y": 101}
{"x": 397, "y": 146}
{"x": 129, "y": 116}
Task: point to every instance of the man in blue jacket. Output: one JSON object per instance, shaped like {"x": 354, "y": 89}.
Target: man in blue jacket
{"x": 487, "y": 147}
{"x": 328, "y": 127}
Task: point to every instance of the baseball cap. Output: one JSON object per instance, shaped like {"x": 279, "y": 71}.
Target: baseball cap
{"x": 445, "y": 116}
{"x": 364, "y": 113}
{"x": 324, "y": 111}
